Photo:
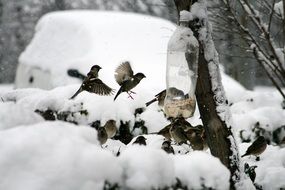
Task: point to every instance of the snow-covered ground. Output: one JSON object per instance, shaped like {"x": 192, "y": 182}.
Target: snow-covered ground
{"x": 65, "y": 154}
{"x": 41, "y": 154}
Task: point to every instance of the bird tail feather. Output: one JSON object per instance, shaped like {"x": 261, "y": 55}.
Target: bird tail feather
{"x": 150, "y": 102}
{"x": 119, "y": 92}
{"x": 76, "y": 93}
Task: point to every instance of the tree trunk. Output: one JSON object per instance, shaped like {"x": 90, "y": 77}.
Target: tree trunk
{"x": 212, "y": 102}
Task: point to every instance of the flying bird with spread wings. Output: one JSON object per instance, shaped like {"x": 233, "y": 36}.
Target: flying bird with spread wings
{"x": 125, "y": 77}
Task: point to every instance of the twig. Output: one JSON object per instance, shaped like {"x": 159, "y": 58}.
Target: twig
{"x": 271, "y": 15}
{"x": 257, "y": 21}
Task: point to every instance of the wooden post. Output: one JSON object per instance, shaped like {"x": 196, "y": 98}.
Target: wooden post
{"x": 218, "y": 132}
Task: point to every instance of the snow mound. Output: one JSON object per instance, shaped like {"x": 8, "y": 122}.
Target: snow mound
{"x": 48, "y": 154}
{"x": 146, "y": 168}
{"x": 17, "y": 115}
{"x": 59, "y": 155}
{"x": 270, "y": 170}
{"x": 193, "y": 171}
{"x": 55, "y": 155}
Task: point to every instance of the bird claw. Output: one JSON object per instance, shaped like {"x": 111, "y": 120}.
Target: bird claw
{"x": 130, "y": 96}
{"x": 132, "y": 92}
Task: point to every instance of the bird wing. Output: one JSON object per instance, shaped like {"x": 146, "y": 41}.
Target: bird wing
{"x": 164, "y": 130}
{"x": 256, "y": 146}
{"x": 98, "y": 87}
{"x": 182, "y": 133}
{"x": 123, "y": 72}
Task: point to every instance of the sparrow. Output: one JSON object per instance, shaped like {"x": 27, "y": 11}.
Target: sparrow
{"x": 93, "y": 84}
{"x": 140, "y": 140}
{"x": 183, "y": 123}
{"x": 174, "y": 93}
{"x": 102, "y": 135}
{"x": 197, "y": 138}
{"x": 257, "y": 147}
{"x": 126, "y": 79}
{"x": 166, "y": 146}
{"x": 76, "y": 74}
{"x": 177, "y": 132}
{"x": 111, "y": 128}
{"x": 159, "y": 97}
{"x": 164, "y": 132}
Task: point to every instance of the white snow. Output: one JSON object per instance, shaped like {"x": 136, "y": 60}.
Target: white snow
{"x": 199, "y": 10}
{"x": 185, "y": 16}
{"x": 50, "y": 149}
{"x": 55, "y": 155}
{"x": 270, "y": 171}
{"x": 18, "y": 115}
{"x": 278, "y": 8}
{"x": 200, "y": 167}
{"x": 80, "y": 39}
{"x": 146, "y": 168}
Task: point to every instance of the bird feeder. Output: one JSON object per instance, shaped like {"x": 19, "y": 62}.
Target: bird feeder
{"x": 181, "y": 73}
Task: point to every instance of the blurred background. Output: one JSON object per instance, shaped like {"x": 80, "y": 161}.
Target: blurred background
{"x": 18, "y": 20}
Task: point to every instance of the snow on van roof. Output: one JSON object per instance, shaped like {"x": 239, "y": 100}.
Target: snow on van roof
{"x": 80, "y": 39}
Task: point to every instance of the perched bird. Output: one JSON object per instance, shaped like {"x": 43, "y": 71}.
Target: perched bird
{"x": 159, "y": 97}
{"x": 257, "y": 147}
{"x": 111, "y": 128}
{"x": 126, "y": 79}
{"x": 197, "y": 138}
{"x": 76, "y": 74}
{"x": 102, "y": 135}
{"x": 175, "y": 93}
{"x": 177, "y": 132}
{"x": 183, "y": 123}
{"x": 164, "y": 132}
{"x": 93, "y": 84}
{"x": 141, "y": 140}
{"x": 166, "y": 146}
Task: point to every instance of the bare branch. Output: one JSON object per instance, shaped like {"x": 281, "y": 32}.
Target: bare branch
{"x": 271, "y": 15}
{"x": 257, "y": 21}
{"x": 268, "y": 74}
